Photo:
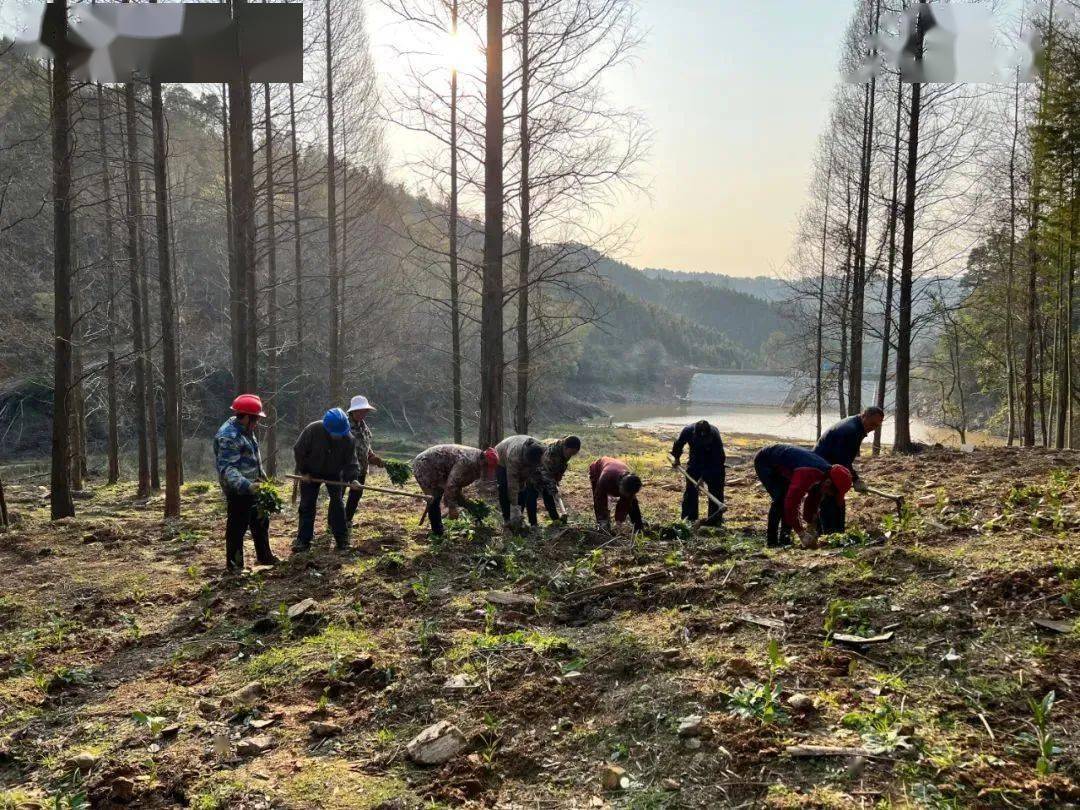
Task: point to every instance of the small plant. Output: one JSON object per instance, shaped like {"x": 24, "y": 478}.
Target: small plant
{"x": 678, "y": 531}
{"x": 268, "y": 500}
{"x": 426, "y": 634}
{"x": 397, "y": 471}
{"x": 760, "y": 701}
{"x": 778, "y": 662}
{"x": 842, "y": 614}
{"x": 153, "y": 723}
{"x": 1044, "y": 742}
{"x": 284, "y": 621}
{"x": 850, "y": 538}
{"x": 421, "y": 588}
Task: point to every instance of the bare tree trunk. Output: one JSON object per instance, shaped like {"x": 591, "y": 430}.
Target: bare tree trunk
{"x": 521, "y": 408}
{"x": 271, "y": 304}
{"x": 170, "y": 362}
{"x": 1010, "y": 349}
{"x": 1069, "y": 293}
{"x": 491, "y": 317}
{"x": 455, "y": 300}
{"x": 113, "y": 450}
{"x": 894, "y": 210}
{"x": 1033, "y": 261}
{"x": 77, "y": 398}
{"x": 842, "y": 368}
{"x": 336, "y": 372}
{"x": 820, "y": 337}
{"x": 55, "y": 25}
{"x": 858, "y": 286}
{"x": 134, "y": 215}
{"x": 902, "y": 442}
{"x": 148, "y": 343}
{"x": 236, "y": 278}
{"x": 243, "y": 210}
{"x": 4, "y": 521}
{"x": 298, "y": 275}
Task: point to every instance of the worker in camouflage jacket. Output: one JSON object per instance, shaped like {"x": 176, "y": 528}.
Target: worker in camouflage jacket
{"x": 444, "y": 470}
{"x": 547, "y": 478}
{"x": 359, "y": 409}
{"x": 519, "y": 461}
{"x": 239, "y": 466}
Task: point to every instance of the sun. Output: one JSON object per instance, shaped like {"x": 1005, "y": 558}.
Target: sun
{"x": 461, "y": 52}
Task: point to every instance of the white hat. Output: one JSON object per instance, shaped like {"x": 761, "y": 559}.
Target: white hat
{"x": 360, "y": 403}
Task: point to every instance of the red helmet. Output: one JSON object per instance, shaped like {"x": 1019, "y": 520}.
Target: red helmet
{"x": 491, "y": 459}
{"x": 841, "y": 479}
{"x": 248, "y": 405}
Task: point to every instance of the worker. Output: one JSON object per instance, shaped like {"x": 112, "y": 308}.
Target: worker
{"x": 547, "y": 478}
{"x": 325, "y": 450}
{"x": 239, "y": 465}
{"x": 611, "y": 478}
{"x": 840, "y": 444}
{"x": 359, "y": 408}
{"x": 444, "y": 470}
{"x": 797, "y": 479}
{"x": 705, "y": 466}
{"x": 519, "y": 460}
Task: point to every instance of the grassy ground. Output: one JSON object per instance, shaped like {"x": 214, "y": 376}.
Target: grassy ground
{"x": 121, "y": 642}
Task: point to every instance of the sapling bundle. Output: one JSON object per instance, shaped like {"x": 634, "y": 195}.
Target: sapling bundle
{"x": 268, "y": 500}
{"x": 398, "y": 472}
{"x": 477, "y": 509}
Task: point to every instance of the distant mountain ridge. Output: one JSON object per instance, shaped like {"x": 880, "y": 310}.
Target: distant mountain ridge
{"x": 767, "y": 288}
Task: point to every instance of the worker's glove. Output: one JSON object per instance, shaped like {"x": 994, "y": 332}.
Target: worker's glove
{"x": 859, "y": 486}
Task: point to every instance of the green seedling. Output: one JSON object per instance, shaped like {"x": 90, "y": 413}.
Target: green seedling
{"x": 397, "y": 471}
{"x": 759, "y": 701}
{"x": 153, "y": 723}
{"x": 1043, "y": 740}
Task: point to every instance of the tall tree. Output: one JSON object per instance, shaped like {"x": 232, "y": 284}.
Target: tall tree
{"x": 491, "y": 319}
{"x": 273, "y": 348}
{"x": 452, "y": 232}
{"x": 166, "y": 296}
{"x": 55, "y": 31}
{"x": 112, "y": 397}
{"x": 298, "y": 264}
{"x": 521, "y": 406}
{"x": 336, "y": 360}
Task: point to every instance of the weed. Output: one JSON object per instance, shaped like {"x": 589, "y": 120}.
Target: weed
{"x": 760, "y": 701}
{"x": 778, "y": 662}
{"x": 154, "y": 723}
{"x": 880, "y": 727}
{"x": 426, "y": 633}
{"x": 850, "y": 538}
{"x": 421, "y": 588}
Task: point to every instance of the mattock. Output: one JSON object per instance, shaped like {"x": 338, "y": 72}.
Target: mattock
{"x": 721, "y": 507}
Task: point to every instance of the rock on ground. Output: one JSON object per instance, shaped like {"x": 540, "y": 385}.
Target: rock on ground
{"x": 436, "y": 744}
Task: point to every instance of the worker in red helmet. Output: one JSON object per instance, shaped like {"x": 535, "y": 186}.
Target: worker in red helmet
{"x": 797, "y": 480}
{"x": 239, "y": 465}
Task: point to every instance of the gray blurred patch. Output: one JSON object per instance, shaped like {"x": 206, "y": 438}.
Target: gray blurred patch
{"x": 170, "y": 42}
{"x": 961, "y": 43}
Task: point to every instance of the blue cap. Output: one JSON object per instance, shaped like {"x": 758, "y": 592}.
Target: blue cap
{"x": 336, "y": 422}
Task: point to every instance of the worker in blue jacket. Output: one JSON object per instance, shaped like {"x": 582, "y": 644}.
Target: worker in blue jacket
{"x": 706, "y": 465}
{"x": 840, "y": 444}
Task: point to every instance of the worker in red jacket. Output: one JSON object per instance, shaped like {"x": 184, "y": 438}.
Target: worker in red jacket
{"x": 611, "y": 478}
{"x": 796, "y": 480}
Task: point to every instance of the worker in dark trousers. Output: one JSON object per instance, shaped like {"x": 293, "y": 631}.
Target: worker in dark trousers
{"x": 239, "y": 465}
{"x": 544, "y": 483}
{"x": 706, "y": 465}
{"x": 796, "y": 480}
{"x": 325, "y": 450}
{"x": 611, "y": 478}
{"x": 519, "y": 461}
{"x": 840, "y": 444}
{"x": 359, "y": 409}
{"x": 444, "y": 470}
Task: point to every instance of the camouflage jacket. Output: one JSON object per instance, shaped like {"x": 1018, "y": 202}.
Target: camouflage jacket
{"x": 362, "y": 439}
{"x": 448, "y": 467}
{"x": 552, "y": 469}
{"x": 511, "y": 452}
{"x": 236, "y": 453}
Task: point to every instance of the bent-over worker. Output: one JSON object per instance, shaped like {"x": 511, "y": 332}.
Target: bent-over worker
{"x": 611, "y": 478}
{"x": 796, "y": 480}
{"x": 519, "y": 460}
{"x": 325, "y": 450}
{"x": 840, "y": 444}
{"x": 444, "y": 470}
{"x": 547, "y": 478}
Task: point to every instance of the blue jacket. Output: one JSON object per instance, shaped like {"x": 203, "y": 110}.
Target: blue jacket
{"x": 841, "y": 443}
{"x": 236, "y": 454}
{"x": 706, "y": 457}
{"x": 786, "y": 458}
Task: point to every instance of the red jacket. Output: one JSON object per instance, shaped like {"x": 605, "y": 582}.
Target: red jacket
{"x": 605, "y": 474}
{"x": 802, "y": 484}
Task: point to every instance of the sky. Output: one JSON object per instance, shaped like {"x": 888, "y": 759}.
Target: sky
{"x": 736, "y": 94}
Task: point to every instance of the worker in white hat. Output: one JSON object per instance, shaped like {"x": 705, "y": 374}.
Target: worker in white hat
{"x": 359, "y": 408}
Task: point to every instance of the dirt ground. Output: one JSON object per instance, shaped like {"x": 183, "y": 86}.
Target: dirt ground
{"x": 124, "y": 652}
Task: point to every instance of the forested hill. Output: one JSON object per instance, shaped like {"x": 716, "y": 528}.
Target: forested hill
{"x": 746, "y": 320}
{"x": 767, "y": 287}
